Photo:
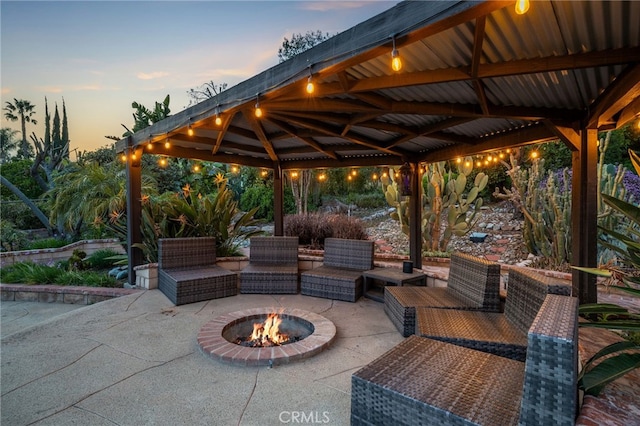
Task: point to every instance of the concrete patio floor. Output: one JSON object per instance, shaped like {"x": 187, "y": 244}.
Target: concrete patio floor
{"x": 134, "y": 360}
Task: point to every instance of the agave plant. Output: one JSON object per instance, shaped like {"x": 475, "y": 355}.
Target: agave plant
{"x": 187, "y": 214}
{"x": 621, "y": 357}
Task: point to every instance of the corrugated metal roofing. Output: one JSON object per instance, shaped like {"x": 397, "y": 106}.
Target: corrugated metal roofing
{"x": 362, "y": 109}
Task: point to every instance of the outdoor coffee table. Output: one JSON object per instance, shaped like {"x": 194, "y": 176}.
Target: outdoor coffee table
{"x": 390, "y": 276}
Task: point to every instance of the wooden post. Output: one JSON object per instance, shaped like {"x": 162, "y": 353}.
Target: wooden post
{"x": 584, "y": 212}
{"x": 134, "y": 211}
{"x": 415, "y": 217}
{"x": 278, "y": 201}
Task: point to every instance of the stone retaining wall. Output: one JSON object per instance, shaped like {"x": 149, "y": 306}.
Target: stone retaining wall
{"x": 60, "y": 294}
{"x": 53, "y": 255}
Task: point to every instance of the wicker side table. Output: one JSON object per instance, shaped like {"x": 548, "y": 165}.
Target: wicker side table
{"x": 390, "y": 276}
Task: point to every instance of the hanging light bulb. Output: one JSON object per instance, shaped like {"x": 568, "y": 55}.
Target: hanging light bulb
{"x": 458, "y": 160}
{"x": 258, "y": 110}
{"x": 218, "y": 120}
{"x": 479, "y": 163}
{"x": 196, "y": 168}
{"x": 294, "y": 175}
{"x": 374, "y": 176}
{"x": 123, "y": 157}
{"x": 167, "y": 144}
{"x": 522, "y": 6}
{"x": 310, "y": 86}
{"x": 354, "y": 172}
{"x": 190, "y": 130}
{"x": 534, "y": 154}
{"x": 396, "y": 62}
{"x": 150, "y": 146}
{"x": 162, "y": 162}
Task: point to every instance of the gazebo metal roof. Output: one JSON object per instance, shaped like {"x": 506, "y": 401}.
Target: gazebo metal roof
{"x": 476, "y": 77}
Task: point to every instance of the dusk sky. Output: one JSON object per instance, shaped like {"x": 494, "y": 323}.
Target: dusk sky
{"x": 100, "y": 56}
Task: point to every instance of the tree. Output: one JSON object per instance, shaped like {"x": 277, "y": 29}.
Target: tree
{"x": 22, "y": 110}
{"x": 144, "y": 117}
{"x": 205, "y": 91}
{"x": 65, "y": 133}
{"x": 8, "y": 143}
{"x": 56, "y": 137}
{"x": 299, "y": 43}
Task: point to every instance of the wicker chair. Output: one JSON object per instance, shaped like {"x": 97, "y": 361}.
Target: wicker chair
{"x": 473, "y": 284}
{"x": 340, "y": 276}
{"x": 496, "y": 333}
{"x": 187, "y": 272}
{"x": 273, "y": 266}
{"x": 425, "y": 381}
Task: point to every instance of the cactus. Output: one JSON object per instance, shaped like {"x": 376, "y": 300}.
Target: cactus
{"x": 440, "y": 199}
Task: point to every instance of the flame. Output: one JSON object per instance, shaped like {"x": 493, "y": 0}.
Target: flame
{"x": 268, "y": 333}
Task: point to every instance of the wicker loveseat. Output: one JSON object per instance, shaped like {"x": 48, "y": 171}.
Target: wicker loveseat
{"x": 473, "y": 284}
{"x": 187, "y": 271}
{"x": 497, "y": 333}
{"x": 340, "y": 276}
{"x": 273, "y": 266}
{"x": 425, "y": 381}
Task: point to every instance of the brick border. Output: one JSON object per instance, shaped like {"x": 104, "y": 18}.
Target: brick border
{"x": 60, "y": 294}
{"x": 212, "y": 343}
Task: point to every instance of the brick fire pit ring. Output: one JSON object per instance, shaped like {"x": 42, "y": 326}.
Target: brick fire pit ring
{"x": 213, "y": 344}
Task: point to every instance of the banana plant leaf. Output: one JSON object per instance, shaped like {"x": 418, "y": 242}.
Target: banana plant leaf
{"x": 594, "y": 380}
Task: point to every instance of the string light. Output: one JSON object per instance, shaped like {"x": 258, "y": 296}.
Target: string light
{"x": 467, "y": 163}
{"x": 374, "y": 176}
{"x": 322, "y": 177}
{"x": 258, "y": 110}
{"x": 310, "y": 87}
{"x": 479, "y": 163}
{"x": 396, "y": 62}
{"x": 150, "y": 146}
{"x": 218, "y": 119}
{"x": 190, "y": 130}
{"x": 354, "y": 172}
{"x": 294, "y": 175}
{"x": 534, "y": 154}
{"x": 134, "y": 156}
{"x": 385, "y": 175}
{"x": 235, "y": 169}
{"x": 162, "y": 162}
{"x": 123, "y": 157}
{"x": 196, "y": 168}
{"x": 522, "y": 6}
{"x": 264, "y": 173}
{"x": 458, "y": 160}
{"x": 167, "y": 144}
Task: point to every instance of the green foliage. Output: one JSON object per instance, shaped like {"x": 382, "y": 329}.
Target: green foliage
{"x": 312, "y": 229}
{"x": 101, "y": 259}
{"x": 445, "y": 199}
{"x": 369, "y": 200}
{"x": 47, "y": 243}
{"x": 11, "y": 238}
{"x": 259, "y": 196}
{"x": 32, "y": 273}
{"x": 187, "y": 214}
{"x": 556, "y": 155}
{"x": 299, "y": 43}
{"x": 621, "y": 357}
{"x": 20, "y": 215}
{"x": 17, "y": 172}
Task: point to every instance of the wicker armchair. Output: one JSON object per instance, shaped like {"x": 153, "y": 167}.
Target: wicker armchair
{"x": 340, "y": 276}
{"x": 273, "y": 266}
{"x": 187, "y": 272}
{"x": 473, "y": 284}
{"x": 425, "y": 381}
{"x": 496, "y": 333}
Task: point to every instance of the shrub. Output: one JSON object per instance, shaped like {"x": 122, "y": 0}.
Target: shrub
{"x": 312, "y": 229}
{"x": 101, "y": 259}
{"x": 32, "y": 273}
{"x": 260, "y": 196}
{"x": 11, "y": 238}
{"x": 370, "y": 200}
{"x": 47, "y": 243}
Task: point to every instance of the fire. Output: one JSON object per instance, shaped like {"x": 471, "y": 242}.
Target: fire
{"x": 268, "y": 333}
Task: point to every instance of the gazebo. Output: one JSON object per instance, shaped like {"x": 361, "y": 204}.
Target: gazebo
{"x": 474, "y": 77}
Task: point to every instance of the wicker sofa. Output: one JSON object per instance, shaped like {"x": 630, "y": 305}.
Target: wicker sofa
{"x": 187, "y": 271}
{"x": 273, "y": 266}
{"x": 473, "y": 284}
{"x": 497, "y": 333}
{"x": 340, "y": 276}
{"x": 425, "y": 381}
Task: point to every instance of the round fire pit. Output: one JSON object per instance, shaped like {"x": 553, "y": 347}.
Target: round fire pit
{"x": 228, "y": 337}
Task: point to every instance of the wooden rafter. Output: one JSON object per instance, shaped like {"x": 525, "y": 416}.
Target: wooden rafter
{"x": 226, "y": 122}
{"x": 261, "y": 135}
{"x": 309, "y": 141}
{"x": 624, "y": 90}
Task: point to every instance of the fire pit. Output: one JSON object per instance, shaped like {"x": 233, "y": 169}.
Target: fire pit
{"x": 266, "y": 336}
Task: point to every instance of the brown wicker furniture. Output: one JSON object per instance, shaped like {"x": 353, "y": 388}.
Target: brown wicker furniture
{"x": 496, "y": 333}
{"x": 187, "y": 271}
{"x": 340, "y": 276}
{"x": 473, "y": 284}
{"x": 424, "y": 381}
{"x": 273, "y": 266}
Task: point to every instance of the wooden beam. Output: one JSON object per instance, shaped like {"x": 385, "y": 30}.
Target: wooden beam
{"x": 309, "y": 141}
{"x": 518, "y": 137}
{"x": 630, "y": 113}
{"x": 134, "y": 211}
{"x": 624, "y": 90}
{"x": 226, "y": 122}
{"x": 570, "y": 137}
{"x": 260, "y": 133}
{"x": 374, "y": 161}
{"x": 478, "y": 39}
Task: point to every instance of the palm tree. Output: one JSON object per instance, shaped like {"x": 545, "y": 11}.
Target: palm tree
{"x": 22, "y": 110}
{"x": 8, "y": 143}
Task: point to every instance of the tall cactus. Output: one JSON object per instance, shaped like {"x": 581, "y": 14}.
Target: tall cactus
{"x": 444, "y": 196}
